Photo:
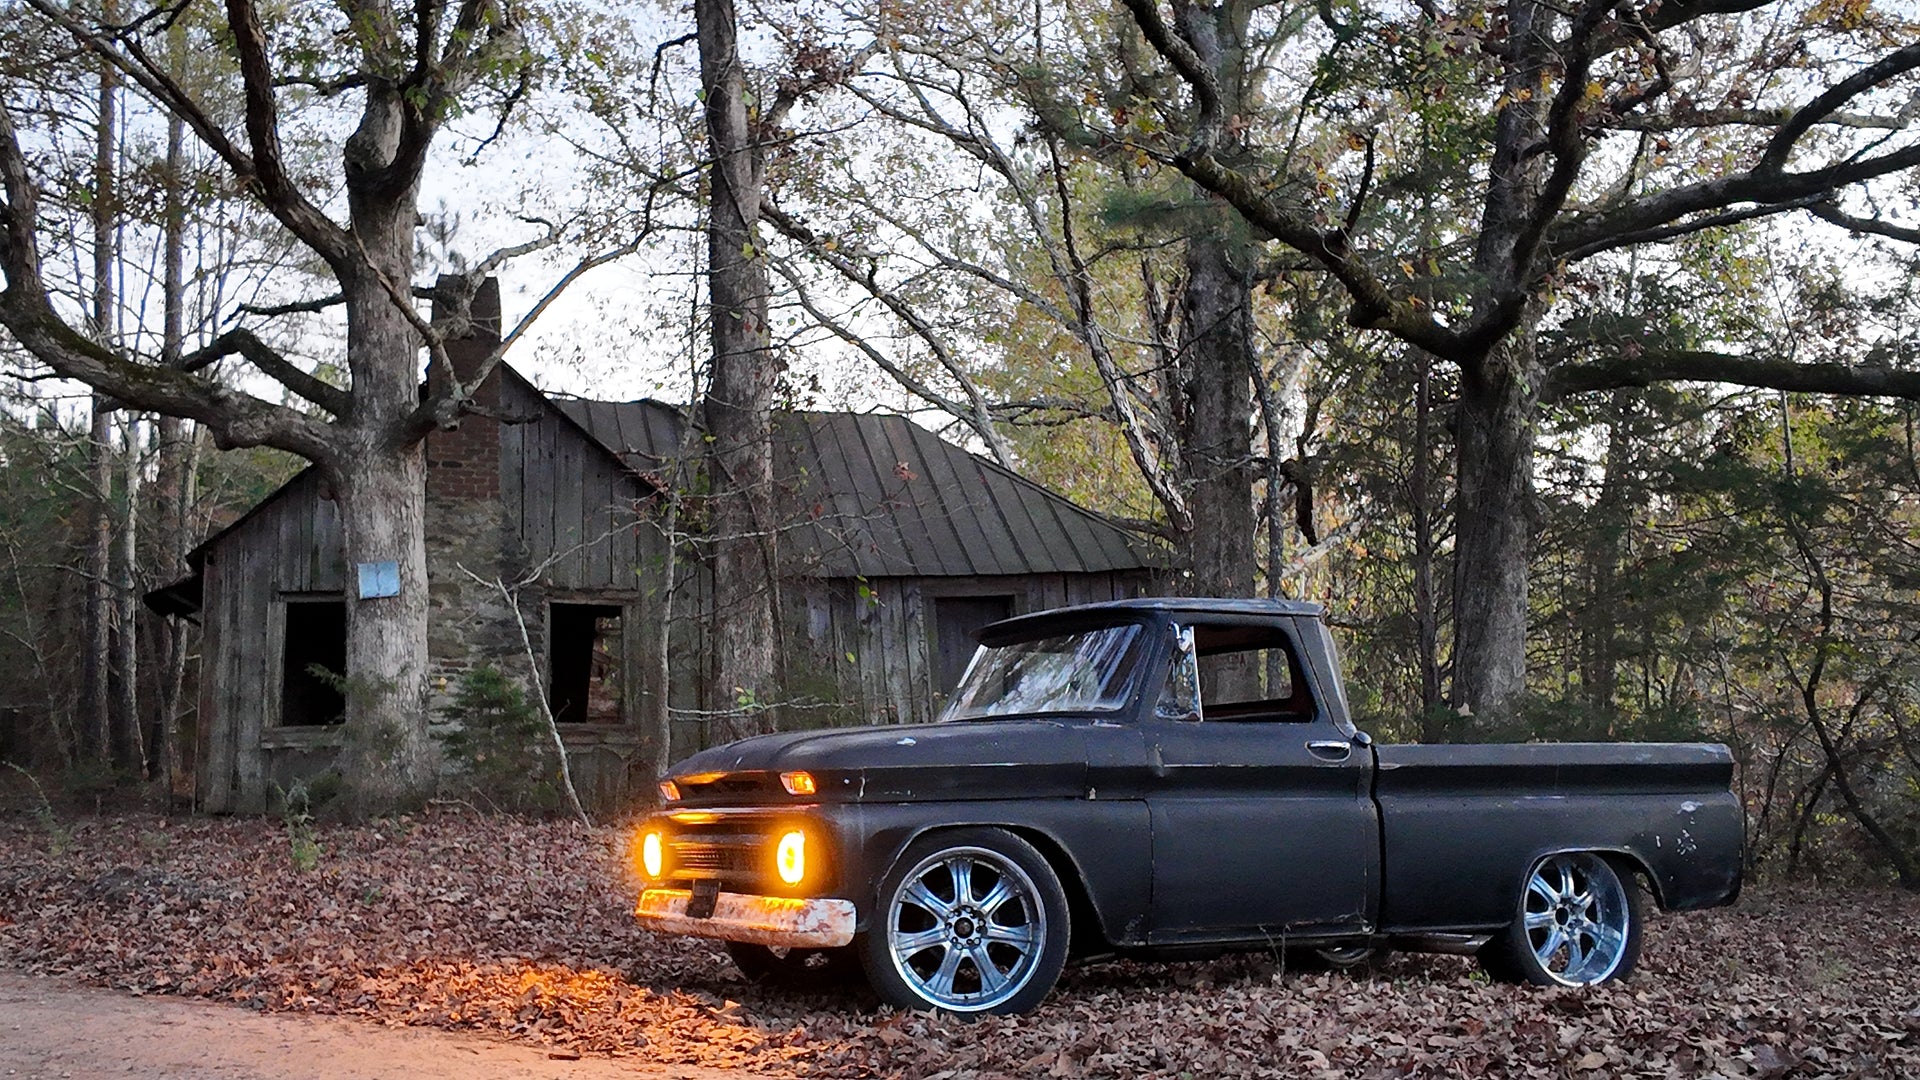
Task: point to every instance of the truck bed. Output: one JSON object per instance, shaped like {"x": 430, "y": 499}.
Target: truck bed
{"x": 1461, "y": 823}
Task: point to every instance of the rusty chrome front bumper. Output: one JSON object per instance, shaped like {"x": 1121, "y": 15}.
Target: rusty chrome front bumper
{"x": 762, "y": 920}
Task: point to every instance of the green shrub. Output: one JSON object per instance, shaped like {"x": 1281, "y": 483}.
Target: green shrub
{"x": 499, "y": 744}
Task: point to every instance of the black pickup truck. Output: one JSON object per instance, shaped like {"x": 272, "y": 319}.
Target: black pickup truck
{"x": 1173, "y": 778}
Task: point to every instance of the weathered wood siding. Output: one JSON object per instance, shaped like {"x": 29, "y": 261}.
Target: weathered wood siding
{"x": 591, "y": 525}
{"x": 289, "y": 544}
{"x": 569, "y": 509}
{"x": 865, "y": 652}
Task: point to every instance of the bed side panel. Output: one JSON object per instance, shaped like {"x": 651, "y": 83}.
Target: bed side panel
{"x": 1462, "y": 824}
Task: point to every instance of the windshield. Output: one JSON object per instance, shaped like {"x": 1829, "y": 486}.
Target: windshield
{"x": 1088, "y": 672}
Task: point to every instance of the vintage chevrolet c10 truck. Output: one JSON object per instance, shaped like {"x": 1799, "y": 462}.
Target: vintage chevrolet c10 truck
{"x": 1172, "y": 778}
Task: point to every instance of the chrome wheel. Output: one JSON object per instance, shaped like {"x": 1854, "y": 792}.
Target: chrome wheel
{"x": 1578, "y": 923}
{"x": 970, "y": 921}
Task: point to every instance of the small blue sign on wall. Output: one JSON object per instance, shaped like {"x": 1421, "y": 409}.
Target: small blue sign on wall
{"x": 379, "y": 579}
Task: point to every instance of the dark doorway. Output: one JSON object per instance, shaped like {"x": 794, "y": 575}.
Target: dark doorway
{"x": 584, "y": 661}
{"x": 316, "y": 636}
{"x": 955, "y": 620}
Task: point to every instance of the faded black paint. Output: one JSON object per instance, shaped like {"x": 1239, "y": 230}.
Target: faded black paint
{"x": 1223, "y": 833}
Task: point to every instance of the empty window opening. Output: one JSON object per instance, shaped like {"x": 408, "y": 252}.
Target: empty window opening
{"x": 315, "y": 638}
{"x": 956, "y": 619}
{"x": 1249, "y": 673}
{"x": 584, "y": 659}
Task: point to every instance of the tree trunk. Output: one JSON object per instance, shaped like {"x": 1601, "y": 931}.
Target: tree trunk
{"x": 388, "y": 764}
{"x": 739, "y": 398}
{"x": 1216, "y": 349}
{"x": 1434, "y": 726}
{"x": 129, "y": 748}
{"x": 1610, "y": 518}
{"x": 175, "y": 475}
{"x": 379, "y": 475}
{"x": 175, "y": 445}
{"x": 96, "y": 688}
{"x": 96, "y": 702}
{"x": 1494, "y": 529}
{"x": 1217, "y": 353}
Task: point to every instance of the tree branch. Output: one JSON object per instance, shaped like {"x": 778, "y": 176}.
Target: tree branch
{"x": 290, "y": 208}
{"x": 235, "y": 419}
{"x": 1199, "y": 78}
{"x": 283, "y": 199}
{"x": 976, "y": 412}
{"x": 245, "y": 343}
{"x": 1898, "y": 62}
{"x": 296, "y": 307}
{"x": 1646, "y": 368}
{"x": 442, "y": 406}
{"x": 1827, "y": 211}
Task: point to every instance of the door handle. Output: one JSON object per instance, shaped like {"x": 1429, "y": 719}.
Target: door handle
{"x": 1330, "y": 749}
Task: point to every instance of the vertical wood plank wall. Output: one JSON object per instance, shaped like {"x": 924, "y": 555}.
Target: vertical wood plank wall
{"x": 868, "y": 647}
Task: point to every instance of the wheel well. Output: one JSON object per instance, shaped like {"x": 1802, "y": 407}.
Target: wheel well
{"x": 1627, "y": 860}
{"x": 1639, "y": 868}
{"x": 1088, "y": 935}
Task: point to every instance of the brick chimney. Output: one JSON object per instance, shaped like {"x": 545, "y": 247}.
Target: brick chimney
{"x": 464, "y": 462}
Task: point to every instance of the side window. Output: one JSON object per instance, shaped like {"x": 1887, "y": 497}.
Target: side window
{"x": 313, "y": 660}
{"x": 584, "y": 651}
{"x": 1250, "y": 673}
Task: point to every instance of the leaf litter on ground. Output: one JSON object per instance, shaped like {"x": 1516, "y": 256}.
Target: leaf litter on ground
{"x": 523, "y": 929}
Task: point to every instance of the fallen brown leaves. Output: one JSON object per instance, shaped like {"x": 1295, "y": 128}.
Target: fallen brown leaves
{"x": 522, "y": 929}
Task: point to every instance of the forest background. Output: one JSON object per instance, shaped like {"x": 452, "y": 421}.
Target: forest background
{"x": 1565, "y": 352}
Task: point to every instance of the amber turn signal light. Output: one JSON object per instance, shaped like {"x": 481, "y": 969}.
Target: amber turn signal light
{"x": 653, "y": 857}
{"x": 669, "y": 791}
{"x": 790, "y": 858}
{"x": 798, "y": 783}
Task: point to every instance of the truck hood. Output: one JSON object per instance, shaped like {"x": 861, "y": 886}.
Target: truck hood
{"x": 985, "y": 759}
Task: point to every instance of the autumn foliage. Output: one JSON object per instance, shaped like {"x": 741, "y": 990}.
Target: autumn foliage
{"x": 521, "y": 929}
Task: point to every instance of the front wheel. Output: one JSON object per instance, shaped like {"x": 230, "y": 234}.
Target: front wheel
{"x": 969, "y": 921}
{"x": 1579, "y": 924}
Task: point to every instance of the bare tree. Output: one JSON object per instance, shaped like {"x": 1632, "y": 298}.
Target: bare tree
{"x": 410, "y": 66}
{"x": 1561, "y": 80}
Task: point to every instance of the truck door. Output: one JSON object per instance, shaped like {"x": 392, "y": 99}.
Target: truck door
{"x": 1263, "y": 818}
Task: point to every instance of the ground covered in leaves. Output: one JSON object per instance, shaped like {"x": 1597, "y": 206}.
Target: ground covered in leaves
{"x": 518, "y": 928}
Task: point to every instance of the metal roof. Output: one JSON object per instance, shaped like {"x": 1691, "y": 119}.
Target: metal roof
{"x": 878, "y": 495}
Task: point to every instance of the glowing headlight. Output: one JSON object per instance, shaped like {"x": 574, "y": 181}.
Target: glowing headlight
{"x": 798, "y": 783}
{"x": 652, "y": 854}
{"x": 790, "y": 858}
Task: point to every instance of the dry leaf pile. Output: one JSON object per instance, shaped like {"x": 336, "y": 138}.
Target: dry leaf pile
{"x": 521, "y": 929}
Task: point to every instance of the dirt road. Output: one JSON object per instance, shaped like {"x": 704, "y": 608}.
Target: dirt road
{"x": 57, "y": 1030}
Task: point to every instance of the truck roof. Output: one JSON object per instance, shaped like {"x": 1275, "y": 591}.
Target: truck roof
{"x": 1021, "y": 626}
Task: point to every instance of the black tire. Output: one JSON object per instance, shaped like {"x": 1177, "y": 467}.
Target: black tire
{"x": 1578, "y": 922}
{"x": 969, "y": 921}
{"x": 1354, "y": 958}
{"x": 800, "y": 968}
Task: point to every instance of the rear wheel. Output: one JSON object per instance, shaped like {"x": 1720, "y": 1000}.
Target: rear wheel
{"x": 1579, "y": 923}
{"x": 969, "y": 921}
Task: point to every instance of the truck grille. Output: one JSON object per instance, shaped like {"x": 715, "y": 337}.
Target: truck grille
{"x": 734, "y": 857}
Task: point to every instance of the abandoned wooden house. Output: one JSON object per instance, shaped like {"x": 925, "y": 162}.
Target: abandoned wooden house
{"x": 895, "y": 547}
